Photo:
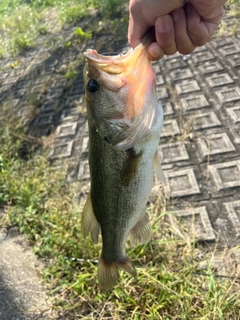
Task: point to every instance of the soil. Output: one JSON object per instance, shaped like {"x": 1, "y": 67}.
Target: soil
{"x": 22, "y": 296}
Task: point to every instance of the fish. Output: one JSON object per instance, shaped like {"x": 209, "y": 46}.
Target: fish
{"x": 125, "y": 121}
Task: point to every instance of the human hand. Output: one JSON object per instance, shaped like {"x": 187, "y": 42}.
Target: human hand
{"x": 178, "y": 25}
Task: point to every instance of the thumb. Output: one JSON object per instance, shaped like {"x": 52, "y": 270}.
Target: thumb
{"x": 136, "y": 30}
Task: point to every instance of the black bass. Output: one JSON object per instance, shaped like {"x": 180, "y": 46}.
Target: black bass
{"x": 125, "y": 122}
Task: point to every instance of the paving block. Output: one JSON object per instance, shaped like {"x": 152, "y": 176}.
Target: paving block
{"x": 49, "y": 106}
{"x": 182, "y": 183}
{"x": 3, "y": 76}
{"x": 54, "y": 94}
{"x": 167, "y": 108}
{"x": 229, "y": 49}
{"x": 159, "y": 79}
{"x": 63, "y": 150}
{"x": 219, "y": 42}
{"x": 182, "y": 74}
{"x": 43, "y": 120}
{"x": 206, "y": 120}
{"x": 9, "y": 80}
{"x": 202, "y": 56}
{"x": 170, "y": 128}
{"x": 218, "y": 143}
{"x": 68, "y": 129}
{"x": 187, "y": 86}
{"x": 14, "y": 103}
{"x": 216, "y": 80}
{"x": 162, "y": 93}
{"x": 228, "y": 94}
{"x": 236, "y": 134}
{"x": 83, "y": 172}
{"x": 233, "y": 210}
{"x": 176, "y": 63}
{"x": 208, "y": 67}
{"x": 85, "y": 145}
{"x": 234, "y": 60}
{"x": 194, "y": 102}
{"x": 19, "y": 93}
{"x": 194, "y": 223}
{"x": 234, "y": 114}
{"x": 173, "y": 152}
{"x": 226, "y": 175}
{"x": 26, "y": 111}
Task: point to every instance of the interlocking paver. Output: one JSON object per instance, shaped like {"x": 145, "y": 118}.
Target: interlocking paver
{"x": 194, "y": 102}
{"x": 208, "y": 67}
{"x": 66, "y": 130}
{"x": 195, "y": 222}
{"x": 60, "y": 151}
{"x": 173, "y": 152}
{"x": 167, "y": 109}
{"x": 187, "y": 86}
{"x": 170, "y": 128}
{"x": 234, "y": 114}
{"x": 83, "y": 173}
{"x": 206, "y": 120}
{"x": 200, "y": 141}
{"x": 216, "y": 80}
{"x": 182, "y": 183}
{"x": 233, "y": 210}
{"x": 216, "y": 144}
{"x": 226, "y": 175}
{"x": 228, "y": 94}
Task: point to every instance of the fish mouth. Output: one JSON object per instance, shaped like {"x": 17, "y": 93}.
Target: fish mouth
{"x": 116, "y": 63}
{"x": 134, "y": 73}
{"x": 112, "y": 63}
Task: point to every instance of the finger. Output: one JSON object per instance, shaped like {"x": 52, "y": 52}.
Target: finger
{"x": 199, "y": 31}
{"x": 164, "y": 32}
{"x": 135, "y": 32}
{"x": 183, "y": 41}
{"x": 155, "y": 52}
{"x": 211, "y": 11}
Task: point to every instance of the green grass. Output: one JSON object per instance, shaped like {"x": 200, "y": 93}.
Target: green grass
{"x": 37, "y": 200}
{"x": 23, "y": 21}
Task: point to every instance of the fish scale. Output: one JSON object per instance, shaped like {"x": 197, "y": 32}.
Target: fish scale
{"x": 121, "y": 165}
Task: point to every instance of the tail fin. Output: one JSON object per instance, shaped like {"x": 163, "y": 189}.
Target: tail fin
{"x": 108, "y": 272}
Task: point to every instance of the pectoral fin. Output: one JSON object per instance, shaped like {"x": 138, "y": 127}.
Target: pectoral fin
{"x": 158, "y": 168}
{"x": 142, "y": 231}
{"x": 130, "y": 166}
{"x": 89, "y": 221}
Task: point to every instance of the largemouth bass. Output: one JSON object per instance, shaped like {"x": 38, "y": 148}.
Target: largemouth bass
{"x": 125, "y": 122}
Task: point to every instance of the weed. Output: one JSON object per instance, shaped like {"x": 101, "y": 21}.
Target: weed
{"x": 39, "y": 201}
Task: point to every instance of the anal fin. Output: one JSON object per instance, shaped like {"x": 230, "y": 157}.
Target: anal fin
{"x": 142, "y": 231}
{"x": 89, "y": 221}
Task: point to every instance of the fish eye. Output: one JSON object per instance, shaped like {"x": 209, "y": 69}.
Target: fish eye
{"x": 92, "y": 86}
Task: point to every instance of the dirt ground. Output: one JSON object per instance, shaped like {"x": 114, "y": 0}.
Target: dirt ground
{"x": 22, "y": 296}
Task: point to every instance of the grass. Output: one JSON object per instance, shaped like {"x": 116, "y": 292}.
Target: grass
{"x": 37, "y": 199}
{"x": 23, "y": 21}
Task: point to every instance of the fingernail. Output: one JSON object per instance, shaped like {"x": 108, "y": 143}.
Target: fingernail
{"x": 155, "y": 52}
